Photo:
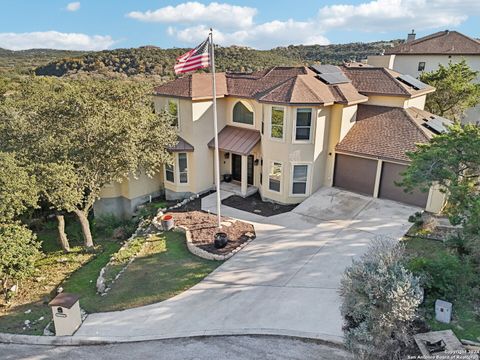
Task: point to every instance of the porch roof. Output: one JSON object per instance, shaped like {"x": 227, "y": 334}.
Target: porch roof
{"x": 236, "y": 140}
{"x": 181, "y": 146}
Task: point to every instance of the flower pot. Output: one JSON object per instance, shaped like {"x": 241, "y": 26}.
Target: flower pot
{"x": 227, "y": 177}
{"x": 167, "y": 222}
{"x": 220, "y": 240}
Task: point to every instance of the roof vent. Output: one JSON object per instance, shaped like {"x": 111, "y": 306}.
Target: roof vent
{"x": 411, "y": 36}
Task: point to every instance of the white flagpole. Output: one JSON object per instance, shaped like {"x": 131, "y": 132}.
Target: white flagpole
{"x": 215, "y": 128}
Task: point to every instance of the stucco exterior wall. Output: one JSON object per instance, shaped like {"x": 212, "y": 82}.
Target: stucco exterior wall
{"x": 408, "y": 64}
{"x": 121, "y": 199}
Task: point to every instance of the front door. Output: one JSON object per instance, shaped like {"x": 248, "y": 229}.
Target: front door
{"x": 236, "y": 167}
{"x": 250, "y": 170}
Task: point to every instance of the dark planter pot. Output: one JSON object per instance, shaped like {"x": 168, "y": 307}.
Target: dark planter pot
{"x": 220, "y": 240}
{"x": 227, "y": 177}
{"x": 167, "y": 222}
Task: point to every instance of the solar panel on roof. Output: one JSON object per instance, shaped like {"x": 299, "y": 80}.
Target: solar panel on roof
{"x": 334, "y": 78}
{"x": 410, "y": 80}
{"x": 325, "y": 69}
{"x": 439, "y": 124}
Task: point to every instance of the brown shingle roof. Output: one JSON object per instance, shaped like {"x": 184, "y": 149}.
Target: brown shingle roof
{"x": 236, "y": 140}
{"x": 378, "y": 80}
{"x": 286, "y": 85}
{"x": 443, "y": 42}
{"x": 383, "y": 132}
{"x": 195, "y": 86}
{"x": 181, "y": 146}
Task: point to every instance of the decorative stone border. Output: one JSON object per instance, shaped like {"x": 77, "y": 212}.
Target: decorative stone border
{"x": 195, "y": 250}
{"x": 102, "y": 287}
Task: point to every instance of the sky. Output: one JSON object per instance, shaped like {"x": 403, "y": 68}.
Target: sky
{"x": 108, "y": 24}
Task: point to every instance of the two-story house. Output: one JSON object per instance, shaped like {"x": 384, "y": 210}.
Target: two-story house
{"x": 288, "y": 131}
{"x": 426, "y": 54}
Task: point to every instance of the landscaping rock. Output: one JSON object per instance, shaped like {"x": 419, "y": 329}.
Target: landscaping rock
{"x": 28, "y": 311}
{"x": 119, "y": 233}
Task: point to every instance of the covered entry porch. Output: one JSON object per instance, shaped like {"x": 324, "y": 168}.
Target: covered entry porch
{"x": 237, "y": 159}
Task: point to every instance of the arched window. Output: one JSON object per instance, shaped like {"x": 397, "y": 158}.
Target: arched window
{"x": 241, "y": 114}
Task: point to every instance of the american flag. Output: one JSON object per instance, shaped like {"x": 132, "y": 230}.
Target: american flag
{"x": 195, "y": 59}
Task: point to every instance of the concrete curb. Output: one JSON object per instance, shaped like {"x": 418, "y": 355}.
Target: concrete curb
{"x": 5, "y": 338}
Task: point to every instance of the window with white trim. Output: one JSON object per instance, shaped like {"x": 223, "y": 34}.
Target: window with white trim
{"x": 299, "y": 179}
{"x": 242, "y": 114}
{"x": 170, "y": 173}
{"x": 275, "y": 176}
{"x": 276, "y": 122}
{"x": 303, "y": 124}
{"x": 182, "y": 168}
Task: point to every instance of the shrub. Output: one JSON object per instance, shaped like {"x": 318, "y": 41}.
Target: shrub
{"x": 380, "y": 302}
{"x": 106, "y": 225}
{"x": 18, "y": 251}
{"x": 446, "y": 277}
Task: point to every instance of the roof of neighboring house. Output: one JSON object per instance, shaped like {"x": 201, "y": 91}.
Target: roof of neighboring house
{"x": 281, "y": 85}
{"x": 181, "y": 146}
{"x": 236, "y": 140}
{"x": 385, "y": 132}
{"x": 381, "y": 81}
{"x": 440, "y": 43}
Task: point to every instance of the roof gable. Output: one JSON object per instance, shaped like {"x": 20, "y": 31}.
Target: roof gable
{"x": 440, "y": 43}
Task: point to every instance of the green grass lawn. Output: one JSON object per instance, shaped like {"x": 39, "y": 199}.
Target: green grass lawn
{"x": 164, "y": 269}
{"x": 465, "y": 321}
{"x": 78, "y": 268}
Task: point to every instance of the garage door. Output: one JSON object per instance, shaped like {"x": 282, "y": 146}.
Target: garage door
{"x": 388, "y": 190}
{"x": 355, "y": 174}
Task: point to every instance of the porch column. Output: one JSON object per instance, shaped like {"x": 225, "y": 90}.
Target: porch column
{"x": 244, "y": 175}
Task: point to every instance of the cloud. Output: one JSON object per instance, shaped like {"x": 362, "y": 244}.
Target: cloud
{"x": 213, "y": 14}
{"x": 387, "y": 15}
{"x": 73, "y": 6}
{"x": 189, "y": 21}
{"x": 55, "y": 40}
{"x": 262, "y": 36}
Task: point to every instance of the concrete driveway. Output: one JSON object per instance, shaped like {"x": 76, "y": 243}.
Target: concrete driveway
{"x": 284, "y": 283}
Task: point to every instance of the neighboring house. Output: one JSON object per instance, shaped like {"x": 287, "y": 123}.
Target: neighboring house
{"x": 288, "y": 131}
{"x": 425, "y": 54}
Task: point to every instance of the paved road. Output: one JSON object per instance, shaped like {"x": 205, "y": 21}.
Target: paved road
{"x": 283, "y": 283}
{"x": 218, "y": 348}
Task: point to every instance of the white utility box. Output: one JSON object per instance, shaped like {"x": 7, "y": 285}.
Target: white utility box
{"x": 443, "y": 311}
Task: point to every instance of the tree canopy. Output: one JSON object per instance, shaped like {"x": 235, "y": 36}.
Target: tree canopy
{"x": 455, "y": 92}
{"x": 83, "y": 134}
{"x": 18, "y": 190}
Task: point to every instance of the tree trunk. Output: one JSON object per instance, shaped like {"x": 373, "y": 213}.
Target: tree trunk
{"x": 87, "y": 235}
{"x": 61, "y": 233}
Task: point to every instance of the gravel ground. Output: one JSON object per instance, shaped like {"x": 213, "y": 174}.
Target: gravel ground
{"x": 208, "y": 348}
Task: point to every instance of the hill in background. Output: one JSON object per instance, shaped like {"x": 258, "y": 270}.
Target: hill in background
{"x": 151, "y": 61}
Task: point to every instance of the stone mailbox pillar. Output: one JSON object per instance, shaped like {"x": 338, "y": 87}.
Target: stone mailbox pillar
{"x": 66, "y": 313}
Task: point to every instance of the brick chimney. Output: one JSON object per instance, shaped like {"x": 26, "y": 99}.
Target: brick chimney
{"x": 411, "y": 36}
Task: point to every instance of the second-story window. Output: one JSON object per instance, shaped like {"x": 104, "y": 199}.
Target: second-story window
{"x": 172, "y": 108}
{"x": 242, "y": 114}
{"x": 276, "y": 124}
{"x": 183, "y": 168}
{"x": 303, "y": 124}
{"x": 421, "y": 66}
